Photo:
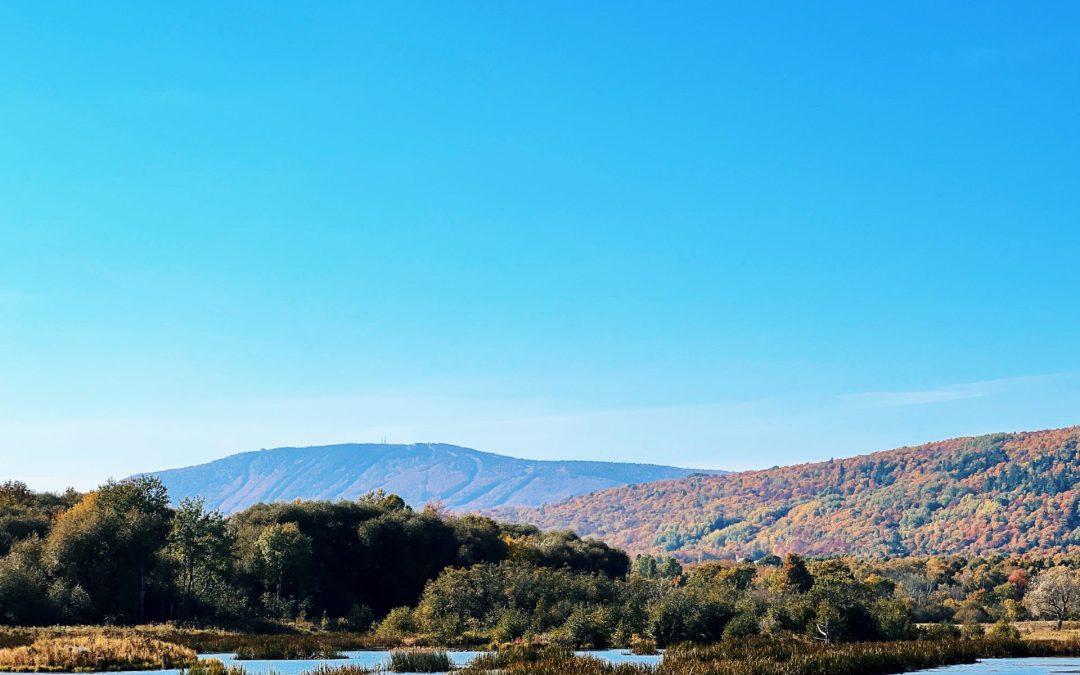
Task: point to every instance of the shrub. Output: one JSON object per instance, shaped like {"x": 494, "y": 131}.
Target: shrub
{"x": 399, "y": 623}
{"x": 1003, "y": 630}
{"x": 360, "y": 618}
{"x": 511, "y": 625}
{"x": 743, "y": 625}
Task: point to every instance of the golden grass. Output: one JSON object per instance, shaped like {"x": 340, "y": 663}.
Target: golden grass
{"x": 94, "y": 653}
{"x": 770, "y": 657}
{"x": 202, "y": 640}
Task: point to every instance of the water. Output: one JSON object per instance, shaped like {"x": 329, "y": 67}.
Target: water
{"x": 1030, "y": 666}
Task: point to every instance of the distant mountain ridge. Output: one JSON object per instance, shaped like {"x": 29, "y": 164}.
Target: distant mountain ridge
{"x": 1001, "y": 493}
{"x": 460, "y": 478}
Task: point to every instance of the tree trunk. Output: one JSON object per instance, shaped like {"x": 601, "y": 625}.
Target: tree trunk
{"x": 142, "y": 595}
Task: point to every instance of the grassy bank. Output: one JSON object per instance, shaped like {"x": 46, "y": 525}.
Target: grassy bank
{"x": 97, "y": 652}
{"x": 778, "y": 657}
{"x": 208, "y": 640}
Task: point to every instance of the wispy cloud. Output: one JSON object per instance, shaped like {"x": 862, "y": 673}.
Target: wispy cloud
{"x": 945, "y": 394}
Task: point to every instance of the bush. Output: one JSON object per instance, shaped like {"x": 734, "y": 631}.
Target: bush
{"x": 360, "y": 618}
{"x": 420, "y": 661}
{"x": 589, "y": 628}
{"x": 940, "y": 631}
{"x": 743, "y": 625}
{"x": 511, "y": 625}
{"x": 399, "y": 623}
{"x": 1003, "y": 630}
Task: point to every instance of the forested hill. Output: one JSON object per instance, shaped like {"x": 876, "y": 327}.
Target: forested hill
{"x": 461, "y": 478}
{"x": 1003, "y": 492}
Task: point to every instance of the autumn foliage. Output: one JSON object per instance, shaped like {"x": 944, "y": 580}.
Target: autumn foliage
{"x": 1007, "y": 493}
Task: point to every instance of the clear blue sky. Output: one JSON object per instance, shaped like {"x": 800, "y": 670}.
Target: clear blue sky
{"x": 703, "y": 234}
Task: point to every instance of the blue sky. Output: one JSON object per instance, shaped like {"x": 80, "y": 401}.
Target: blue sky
{"x": 699, "y": 234}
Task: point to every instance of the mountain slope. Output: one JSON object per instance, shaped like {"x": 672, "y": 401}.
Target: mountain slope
{"x": 1003, "y": 492}
{"x": 461, "y": 478}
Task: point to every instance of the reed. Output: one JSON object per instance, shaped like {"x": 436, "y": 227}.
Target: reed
{"x": 643, "y": 646}
{"x": 287, "y": 647}
{"x": 420, "y": 661}
{"x": 774, "y": 657}
{"x": 213, "y": 667}
{"x": 95, "y": 652}
{"x": 342, "y": 669}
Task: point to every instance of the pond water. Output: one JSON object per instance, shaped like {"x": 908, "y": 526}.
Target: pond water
{"x": 1037, "y": 666}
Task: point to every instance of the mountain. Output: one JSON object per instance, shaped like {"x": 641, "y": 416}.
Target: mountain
{"x": 461, "y": 478}
{"x": 1000, "y": 493}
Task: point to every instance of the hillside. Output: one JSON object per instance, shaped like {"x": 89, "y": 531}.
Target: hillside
{"x": 1004, "y": 492}
{"x": 461, "y": 478}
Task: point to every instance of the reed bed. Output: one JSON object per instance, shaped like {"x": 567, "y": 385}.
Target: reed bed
{"x": 420, "y": 661}
{"x": 213, "y": 667}
{"x": 89, "y": 653}
{"x": 202, "y": 640}
{"x": 643, "y": 646}
{"x": 342, "y": 669}
{"x": 774, "y": 657}
{"x": 287, "y": 647}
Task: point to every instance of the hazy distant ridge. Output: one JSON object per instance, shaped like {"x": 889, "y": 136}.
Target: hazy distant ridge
{"x": 461, "y": 478}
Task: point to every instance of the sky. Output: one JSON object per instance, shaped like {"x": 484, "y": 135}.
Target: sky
{"x": 720, "y": 235}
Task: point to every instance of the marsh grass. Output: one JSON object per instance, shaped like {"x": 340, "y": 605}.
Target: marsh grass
{"x": 773, "y": 657}
{"x": 95, "y": 652}
{"x": 643, "y": 646}
{"x": 420, "y": 661}
{"x": 287, "y": 647}
{"x": 213, "y": 667}
{"x": 202, "y": 640}
{"x": 342, "y": 669}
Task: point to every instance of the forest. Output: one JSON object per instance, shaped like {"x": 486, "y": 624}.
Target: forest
{"x": 1000, "y": 493}
{"x": 121, "y": 555}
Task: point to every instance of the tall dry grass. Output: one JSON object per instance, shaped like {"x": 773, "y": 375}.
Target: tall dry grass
{"x": 420, "y": 661}
{"x": 772, "y": 657}
{"x": 95, "y": 652}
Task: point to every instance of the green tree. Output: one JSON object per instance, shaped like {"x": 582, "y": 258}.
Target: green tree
{"x": 283, "y": 549}
{"x": 108, "y": 544}
{"x": 200, "y": 544}
{"x": 644, "y": 566}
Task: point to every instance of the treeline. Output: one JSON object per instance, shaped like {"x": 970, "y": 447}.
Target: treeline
{"x": 122, "y": 555}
